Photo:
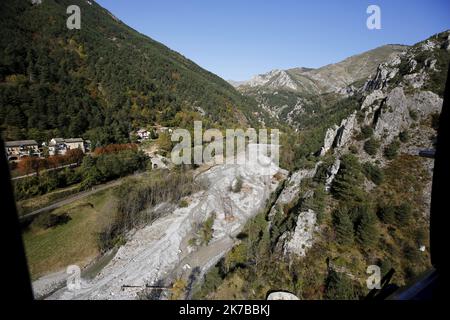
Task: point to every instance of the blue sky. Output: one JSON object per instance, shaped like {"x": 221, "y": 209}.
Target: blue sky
{"x": 236, "y": 39}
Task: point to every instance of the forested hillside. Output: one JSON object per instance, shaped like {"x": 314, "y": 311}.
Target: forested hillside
{"x": 99, "y": 82}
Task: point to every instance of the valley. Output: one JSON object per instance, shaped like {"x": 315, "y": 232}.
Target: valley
{"x": 350, "y": 189}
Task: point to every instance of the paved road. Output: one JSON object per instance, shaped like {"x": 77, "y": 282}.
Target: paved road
{"x": 45, "y": 170}
{"x": 73, "y": 198}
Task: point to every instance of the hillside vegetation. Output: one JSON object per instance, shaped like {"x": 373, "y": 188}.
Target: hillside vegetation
{"x": 99, "y": 82}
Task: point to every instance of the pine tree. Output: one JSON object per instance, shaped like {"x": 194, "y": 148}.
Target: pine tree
{"x": 343, "y": 226}
{"x": 346, "y": 185}
{"x": 387, "y": 214}
{"x": 339, "y": 287}
{"x": 366, "y": 231}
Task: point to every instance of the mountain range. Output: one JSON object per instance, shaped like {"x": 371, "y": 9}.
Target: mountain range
{"x": 330, "y": 78}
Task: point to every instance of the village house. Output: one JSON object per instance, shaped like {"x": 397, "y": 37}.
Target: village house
{"x": 143, "y": 134}
{"x": 87, "y": 146}
{"x": 59, "y": 146}
{"x": 16, "y": 150}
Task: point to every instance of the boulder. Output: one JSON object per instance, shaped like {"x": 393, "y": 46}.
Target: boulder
{"x": 281, "y": 295}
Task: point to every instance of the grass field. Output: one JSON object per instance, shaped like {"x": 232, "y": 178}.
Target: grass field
{"x": 75, "y": 242}
{"x": 35, "y": 203}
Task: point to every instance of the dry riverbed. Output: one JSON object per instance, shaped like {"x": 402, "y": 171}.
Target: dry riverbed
{"x": 163, "y": 250}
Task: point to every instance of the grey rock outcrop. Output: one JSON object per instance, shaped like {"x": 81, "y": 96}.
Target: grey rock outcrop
{"x": 299, "y": 241}
{"x": 425, "y": 102}
{"x": 331, "y": 174}
{"x": 339, "y": 136}
{"x": 394, "y": 116}
{"x": 330, "y": 135}
{"x": 346, "y": 130}
{"x": 372, "y": 98}
{"x": 292, "y": 188}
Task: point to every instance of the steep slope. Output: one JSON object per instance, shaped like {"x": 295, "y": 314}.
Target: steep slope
{"x": 100, "y": 81}
{"x": 362, "y": 200}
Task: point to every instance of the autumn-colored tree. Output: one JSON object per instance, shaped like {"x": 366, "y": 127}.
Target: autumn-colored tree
{"x": 74, "y": 156}
{"x": 31, "y": 164}
{"x": 54, "y": 162}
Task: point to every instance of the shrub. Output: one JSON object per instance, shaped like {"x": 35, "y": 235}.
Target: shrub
{"x": 353, "y": 149}
{"x": 366, "y": 132}
{"x": 371, "y": 146}
{"x": 183, "y": 203}
{"x": 206, "y": 231}
{"x": 435, "y": 120}
{"x": 391, "y": 150}
{"x": 403, "y": 213}
{"x": 373, "y": 173}
{"x": 413, "y": 114}
{"x": 387, "y": 214}
{"x": 404, "y": 136}
{"x": 237, "y": 185}
{"x": 47, "y": 221}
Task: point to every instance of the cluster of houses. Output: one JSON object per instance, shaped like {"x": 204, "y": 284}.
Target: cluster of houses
{"x": 15, "y": 150}
{"x": 145, "y": 134}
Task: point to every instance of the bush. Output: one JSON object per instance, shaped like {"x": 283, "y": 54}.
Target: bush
{"x": 391, "y": 150}
{"x": 404, "y": 136}
{"x": 435, "y": 120}
{"x": 237, "y": 185}
{"x": 353, "y": 149}
{"x": 183, "y": 203}
{"x": 366, "y": 132}
{"x": 373, "y": 173}
{"x": 206, "y": 231}
{"x": 413, "y": 114}
{"x": 403, "y": 213}
{"x": 387, "y": 214}
{"x": 47, "y": 221}
{"x": 371, "y": 146}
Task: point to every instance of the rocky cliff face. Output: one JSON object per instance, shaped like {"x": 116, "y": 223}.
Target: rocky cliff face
{"x": 402, "y": 92}
{"x": 401, "y": 96}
